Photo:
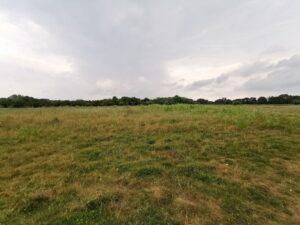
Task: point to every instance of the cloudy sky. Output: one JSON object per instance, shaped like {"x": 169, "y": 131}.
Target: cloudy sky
{"x": 71, "y": 49}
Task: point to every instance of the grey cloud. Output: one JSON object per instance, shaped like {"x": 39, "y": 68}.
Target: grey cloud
{"x": 246, "y": 70}
{"x": 119, "y": 42}
{"x": 199, "y": 84}
{"x": 280, "y": 77}
{"x": 283, "y": 77}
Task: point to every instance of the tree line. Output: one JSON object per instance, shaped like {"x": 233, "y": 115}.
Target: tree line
{"x": 20, "y": 101}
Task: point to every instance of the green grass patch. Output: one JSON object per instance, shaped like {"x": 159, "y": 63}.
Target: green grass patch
{"x": 148, "y": 171}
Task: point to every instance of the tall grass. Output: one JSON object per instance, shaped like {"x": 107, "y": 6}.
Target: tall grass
{"x": 179, "y": 164}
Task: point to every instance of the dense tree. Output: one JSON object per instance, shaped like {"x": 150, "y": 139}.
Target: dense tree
{"x": 223, "y": 101}
{"x": 202, "y": 101}
{"x": 18, "y": 101}
{"x": 115, "y": 100}
{"x": 262, "y": 100}
{"x": 284, "y": 99}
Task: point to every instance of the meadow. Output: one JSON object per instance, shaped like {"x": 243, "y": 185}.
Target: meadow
{"x": 150, "y": 165}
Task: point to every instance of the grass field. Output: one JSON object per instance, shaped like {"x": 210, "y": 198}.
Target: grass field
{"x": 150, "y": 165}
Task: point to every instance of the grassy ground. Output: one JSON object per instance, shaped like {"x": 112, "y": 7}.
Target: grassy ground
{"x": 150, "y": 165}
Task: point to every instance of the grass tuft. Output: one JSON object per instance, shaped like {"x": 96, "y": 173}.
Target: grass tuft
{"x": 35, "y": 204}
{"x": 103, "y": 201}
{"x": 148, "y": 171}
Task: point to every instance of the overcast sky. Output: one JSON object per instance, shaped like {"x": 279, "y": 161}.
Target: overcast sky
{"x": 79, "y": 49}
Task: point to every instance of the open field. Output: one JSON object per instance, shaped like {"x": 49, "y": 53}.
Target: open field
{"x": 150, "y": 165}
